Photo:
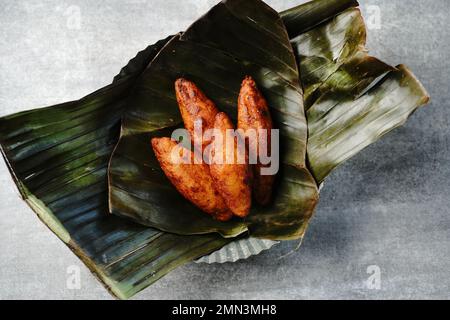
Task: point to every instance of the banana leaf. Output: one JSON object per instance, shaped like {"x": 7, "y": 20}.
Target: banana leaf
{"x": 66, "y": 148}
{"x": 58, "y": 157}
{"x": 309, "y": 15}
{"x": 253, "y": 41}
{"x": 334, "y": 74}
{"x": 351, "y": 98}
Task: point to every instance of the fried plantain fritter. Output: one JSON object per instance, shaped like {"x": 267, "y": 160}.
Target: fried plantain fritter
{"x": 194, "y": 106}
{"x": 231, "y": 178}
{"x": 193, "y": 181}
{"x": 253, "y": 113}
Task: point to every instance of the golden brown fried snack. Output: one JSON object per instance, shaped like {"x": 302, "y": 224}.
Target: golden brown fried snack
{"x": 231, "y": 178}
{"x": 193, "y": 181}
{"x": 194, "y": 105}
{"x": 253, "y": 113}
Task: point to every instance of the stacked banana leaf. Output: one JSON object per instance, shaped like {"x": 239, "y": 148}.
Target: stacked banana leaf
{"x": 78, "y": 162}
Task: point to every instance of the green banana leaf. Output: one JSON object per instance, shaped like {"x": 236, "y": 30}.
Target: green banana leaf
{"x": 253, "y": 41}
{"x": 58, "y": 157}
{"x": 351, "y": 98}
{"x": 309, "y": 15}
{"x": 70, "y": 196}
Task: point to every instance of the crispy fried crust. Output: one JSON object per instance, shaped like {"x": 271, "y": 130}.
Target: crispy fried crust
{"x": 195, "y": 105}
{"x": 193, "y": 181}
{"x": 232, "y": 180}
{"x": 253, "y": 113}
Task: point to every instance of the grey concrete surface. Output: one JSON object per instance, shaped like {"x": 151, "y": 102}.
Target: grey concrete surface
{"x": 388, "y": 207}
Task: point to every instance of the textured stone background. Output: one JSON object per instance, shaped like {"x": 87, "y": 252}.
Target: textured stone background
{"x": 388, "y": 207}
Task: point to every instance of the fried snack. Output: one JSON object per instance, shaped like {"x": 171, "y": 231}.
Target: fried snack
{"x": 253, "y": 113}
{"x": 194, "y": 106}
{"x": 231, "y": 178}
{"x": 193, "y": 181}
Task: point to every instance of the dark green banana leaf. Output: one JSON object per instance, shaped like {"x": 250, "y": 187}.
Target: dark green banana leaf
{"x": 236, "y": 38}
{"x": 58, "y": 157}
{"x": 351, "y": 98}
{"x": 70, "y": 195}
{"x": 309, "y": 15}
